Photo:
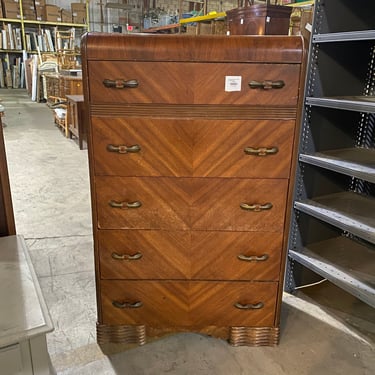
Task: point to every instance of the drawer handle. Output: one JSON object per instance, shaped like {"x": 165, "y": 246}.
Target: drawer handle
{"x": 256, "y": 207}
{"x": 122, "y": 149}
{"x": 249, "y": 306}
{"x": 261, "y": 151}
{"x": 121, "y": 83}
{"x": 266, "y": 85}
{"x": 129, "y": 257}
{"x": 115, "y": 204}
{"x": 127, "y": 305}
{"x": 253, "y": 258}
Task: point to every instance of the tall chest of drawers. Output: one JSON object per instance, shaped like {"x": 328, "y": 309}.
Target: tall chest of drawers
{"x": 191, "y": 152}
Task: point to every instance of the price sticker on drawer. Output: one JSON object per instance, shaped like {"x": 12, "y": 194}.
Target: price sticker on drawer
{"x": 233, "y": 83}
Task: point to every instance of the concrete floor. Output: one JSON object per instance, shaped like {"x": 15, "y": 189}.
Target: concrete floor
{"x": 50, "y": 191}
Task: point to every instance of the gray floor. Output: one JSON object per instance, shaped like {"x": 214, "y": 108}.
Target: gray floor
{"x": 320, "y": 334}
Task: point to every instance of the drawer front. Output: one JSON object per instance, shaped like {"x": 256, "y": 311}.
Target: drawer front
{"x": 164, "y": 303}
{"x": 166, "y": 82}
{"x": 162, "y": 203}
{"x": 136, "y": 254}
{"x": 185, "y": 148}
{"x": 191, "y": 203}
{"x": 193, "y": 83}
{"x": 235, "y": 255}
{"x": 158, "y": 304}
{"x": 233, "y": 303}
{"x": 201, "y": 255}
{"x": 165, "y": 147}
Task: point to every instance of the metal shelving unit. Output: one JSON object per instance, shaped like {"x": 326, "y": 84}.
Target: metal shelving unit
{"x": 333, "y": 222}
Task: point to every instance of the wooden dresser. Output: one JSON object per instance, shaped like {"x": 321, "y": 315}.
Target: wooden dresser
{"x": 191, "y": 151}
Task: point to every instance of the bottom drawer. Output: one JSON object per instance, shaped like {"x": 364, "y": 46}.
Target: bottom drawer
{"x": 187, "y": 303}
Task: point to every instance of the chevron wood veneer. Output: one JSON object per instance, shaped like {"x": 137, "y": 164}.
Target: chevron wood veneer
{"x": 192, "y": 157}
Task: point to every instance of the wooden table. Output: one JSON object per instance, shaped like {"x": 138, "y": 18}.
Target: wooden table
{"x": 76, "y": 119}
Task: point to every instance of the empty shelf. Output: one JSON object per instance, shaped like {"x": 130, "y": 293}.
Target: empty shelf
{"x": 350, "y": 103}
{"x": 348, "y": 211}
{"x": 346, "y": 263}
{"x": 357, "y": 162}
{"x": 344, "y": 36}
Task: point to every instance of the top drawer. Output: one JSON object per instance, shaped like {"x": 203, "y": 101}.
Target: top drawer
{"x": 193, "y": 83}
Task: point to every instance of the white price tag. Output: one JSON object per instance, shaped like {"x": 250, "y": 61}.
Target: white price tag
{"x": 233, "y": 83}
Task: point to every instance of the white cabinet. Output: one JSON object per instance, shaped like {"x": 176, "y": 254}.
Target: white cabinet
{"x": 24, "y": 317}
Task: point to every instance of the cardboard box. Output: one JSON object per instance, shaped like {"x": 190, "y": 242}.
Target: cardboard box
{"x": 52, "y": 13}
{"x": 78, "y": 7}
{"x": 11, "y": 10}
{"x": 29, "y": 14}
{"x": 39, "y": 11}
{"x": 12, "y": 14}
{"x": 79, "y": 17}
{"x": 11, "y": 6}
{"x": 7, "y": 2}
{"x": 28, "y": 4}
{"x": 66, "y": 16}
{"x": 78, "y": 12}
{"x": 40, "y": 3}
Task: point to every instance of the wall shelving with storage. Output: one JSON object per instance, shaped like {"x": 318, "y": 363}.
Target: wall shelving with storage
{"x": 333, "y": 223}
{"x": 32, "y": 27}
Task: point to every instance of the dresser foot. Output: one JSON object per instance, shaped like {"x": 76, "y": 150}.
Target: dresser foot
{"x": 121, "y": 334}
{"x": 254, "y": 336}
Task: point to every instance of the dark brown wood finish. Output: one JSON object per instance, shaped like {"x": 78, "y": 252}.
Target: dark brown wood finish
{"x": 7, "y": 225}
{"x": 190, "y": 182}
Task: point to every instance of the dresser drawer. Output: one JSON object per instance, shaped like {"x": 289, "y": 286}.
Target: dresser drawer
{"x": 157, "y": 304}
{"x": 200, "y": 255}
{"x": 193, "y": 83}
{"x": 184, "y": 303}
{"x": 200, "y": 148}
{"x": 232, "y": 303}
{"x": 147, "y": 254}
{"x": 235, "y": 255}
{"x": 191, "y": 203}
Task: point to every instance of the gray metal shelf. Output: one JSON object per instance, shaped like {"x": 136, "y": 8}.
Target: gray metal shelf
{"x": 356, "y": 162}
{"x": 348, "y": 264}
{"x": 350, "y": 103}
{"x": 333, "y": 222}
{"x": 349, "y": 36}
{"x": 348, "y": 211}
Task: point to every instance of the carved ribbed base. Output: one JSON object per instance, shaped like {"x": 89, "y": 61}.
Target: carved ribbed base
{"x": 237, "y": 336}
{"x": 121, "y": 334}
{"x": 254, "y": 336}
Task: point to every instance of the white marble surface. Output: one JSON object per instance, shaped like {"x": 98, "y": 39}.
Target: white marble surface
{"x": 23, "y": 313}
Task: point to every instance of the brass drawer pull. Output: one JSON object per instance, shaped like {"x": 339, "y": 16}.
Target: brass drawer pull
{"x": 266, "y": 85}
{"x": 115, "y": 204}
{"x": 253, "y": 258}
{"x": 261, "y": 151}
{"x": 123, "y": 149}
{"x": 256, "y": 207}
{"x": 120, "y": 83}
{"x": 128, "y": 257}
{"x": 249, "y": 306}
{"x": 127, "y": 305}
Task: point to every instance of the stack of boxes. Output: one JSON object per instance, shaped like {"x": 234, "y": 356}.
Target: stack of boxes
{"x": 40, "y": 11}
{"x": 11, "y": 9}
{"x": 52, "y": 13}
{"x": 28, "y": 10}
{"x": 78, "y": 12}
